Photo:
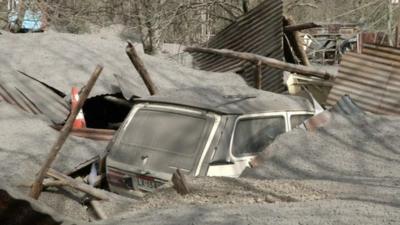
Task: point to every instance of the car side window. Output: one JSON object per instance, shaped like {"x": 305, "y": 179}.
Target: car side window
{"x": 253, "y": 135}
{"x": 296, "y": 120}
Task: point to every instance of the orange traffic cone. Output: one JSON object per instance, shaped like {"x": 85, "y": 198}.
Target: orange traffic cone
{"x": 80, "y": 118}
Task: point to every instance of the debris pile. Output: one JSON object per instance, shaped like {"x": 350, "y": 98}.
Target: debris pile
{"x": 259, "y": 32}
{"x": 344, "y": 151}
{"x": 25, "y": 143}
{"x": 349, "y": 145}
{"x": 49, "y": 62}
{"x": 246, "y": 191}
{"x": 338, "y": 165}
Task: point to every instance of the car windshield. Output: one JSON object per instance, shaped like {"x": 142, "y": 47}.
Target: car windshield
{"x": 166, "y": 138}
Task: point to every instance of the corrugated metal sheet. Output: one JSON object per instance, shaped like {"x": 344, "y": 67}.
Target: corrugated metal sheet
{"x": 77, "y": 61}
{"x": 32, "y": 97}
{"x": 260, "y": 31}
{"x": 372, "y": 79}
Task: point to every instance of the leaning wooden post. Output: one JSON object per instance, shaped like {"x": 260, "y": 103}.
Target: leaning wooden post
{"x": 258, "y": 76}
{"x": 139, "y": 66}
{"x": 298, "y": 43}
{"x": 38, "y": 183}
{"x": 180, "y": 183}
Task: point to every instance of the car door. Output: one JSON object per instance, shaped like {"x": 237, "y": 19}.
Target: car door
{"x": 296, "y": 119}
{"x": 251, "y": 135}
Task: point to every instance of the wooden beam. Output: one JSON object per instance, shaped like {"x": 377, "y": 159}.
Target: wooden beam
{"x": 64, "y": 133}
{"x": 298, "y": 27}
{"x": 98, "y": 210}
{"x": 258, "y": 76}
{"x": 141, "y": 69}
{"x": 64, "y": 180}
{"x": 271, "y": 62}
{"x": 180, "y": 183}
{"x": 297, "y": 43}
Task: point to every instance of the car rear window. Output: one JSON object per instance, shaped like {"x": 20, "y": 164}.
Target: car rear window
{"x": 168, "y": 138}
{"x": 253, "y": 135}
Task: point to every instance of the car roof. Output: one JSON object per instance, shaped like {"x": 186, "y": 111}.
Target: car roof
{"x": 231, "y": 100}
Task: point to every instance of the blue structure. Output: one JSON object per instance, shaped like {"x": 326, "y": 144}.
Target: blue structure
{"x": 32, "y": 20}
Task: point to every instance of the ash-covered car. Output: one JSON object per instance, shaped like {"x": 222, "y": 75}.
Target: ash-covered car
{"x": 203, "y": 132}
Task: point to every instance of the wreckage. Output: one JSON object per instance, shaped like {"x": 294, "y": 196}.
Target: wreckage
{"x": 201, "y": 131}
{"x": 166, "y": 124}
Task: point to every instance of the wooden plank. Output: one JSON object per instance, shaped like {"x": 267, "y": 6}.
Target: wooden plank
{"x": 271, "y": 62}
{"x": 139, "y": 65}
{"x": 64, "y": 133}
{"x": 64, "y": 180}
{"x": 180, "y": 183}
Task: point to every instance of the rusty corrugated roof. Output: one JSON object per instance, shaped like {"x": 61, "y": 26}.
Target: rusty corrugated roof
{"x": 260, "y": 31}
{"x": 372, "y": 79}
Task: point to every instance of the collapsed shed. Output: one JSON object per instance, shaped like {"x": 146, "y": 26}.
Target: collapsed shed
{"x": 51, "y": 75}
{"x": 260, "y": 31}
{"x": 80, "y": 53}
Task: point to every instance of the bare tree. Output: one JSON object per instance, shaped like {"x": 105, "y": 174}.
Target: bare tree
{"x": 195, "y": 21}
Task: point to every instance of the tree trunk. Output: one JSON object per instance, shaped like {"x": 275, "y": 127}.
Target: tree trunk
{"x": 149, "y": 20}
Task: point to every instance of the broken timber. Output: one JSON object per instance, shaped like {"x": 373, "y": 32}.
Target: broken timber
{"x": 271, "y": 62}
{"x": 64, "y": 180}
{"x": 298, "y": 27}
{"x": 297, "y": 42}
{"x": 258, "y": 75}
{"x": 98, "y": 210}
{"x": 64, "y": 133}
{"x": 180, "y": 183}
{"x": 139, "y": 65}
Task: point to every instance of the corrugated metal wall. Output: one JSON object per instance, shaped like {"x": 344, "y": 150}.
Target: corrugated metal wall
{"x": 260, "y": 31}
{"x": 372, "y": 79}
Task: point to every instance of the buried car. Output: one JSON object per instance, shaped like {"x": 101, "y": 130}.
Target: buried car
{"x": 202, "y": 132}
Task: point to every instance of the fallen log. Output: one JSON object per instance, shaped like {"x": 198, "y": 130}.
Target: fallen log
{"x": 63, "y": 180}
{"x": 271, "y": 62}
{"x": 180, "y": 183}
{"x": 64, "y": 133}
{"x": 139, "y": 65}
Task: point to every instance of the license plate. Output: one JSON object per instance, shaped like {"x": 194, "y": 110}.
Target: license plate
{"x": 147, "y": 183}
